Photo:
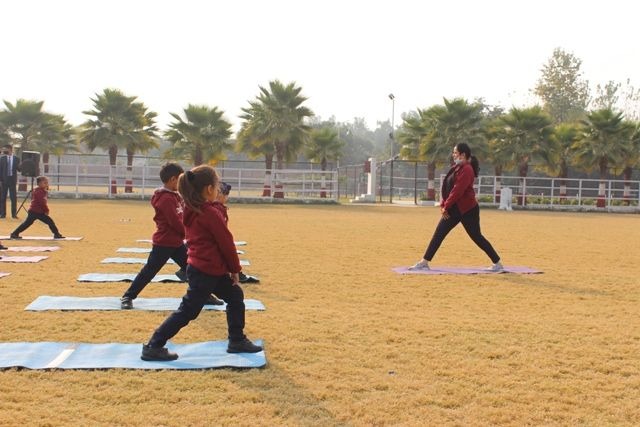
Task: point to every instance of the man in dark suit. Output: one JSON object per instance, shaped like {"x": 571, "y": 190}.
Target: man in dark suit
{"x": 9, "y": 168}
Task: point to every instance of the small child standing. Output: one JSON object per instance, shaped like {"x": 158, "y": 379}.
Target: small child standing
{"x": 168, "y": 240}
{"x": 38, "y": 210}
{"x": 213, "y": 267}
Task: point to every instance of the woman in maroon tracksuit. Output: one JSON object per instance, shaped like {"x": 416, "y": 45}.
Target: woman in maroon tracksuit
{"x": 460, "y": 205}
{"x": 213, "y": 266}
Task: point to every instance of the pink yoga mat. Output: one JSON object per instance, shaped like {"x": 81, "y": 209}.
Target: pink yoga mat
{"x": 32, "y": 248}
{"x": 465, "y": 270}
{"x": 22, "y": 258}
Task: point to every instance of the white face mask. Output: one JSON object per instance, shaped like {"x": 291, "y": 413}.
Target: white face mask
{"x": 457, "y": 161}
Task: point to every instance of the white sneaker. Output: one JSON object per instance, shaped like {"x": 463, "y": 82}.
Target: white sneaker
{"x": 497, "y": 267}
{"x": 420, "y": 265}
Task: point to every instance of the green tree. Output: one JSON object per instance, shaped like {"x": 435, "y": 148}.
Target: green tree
{"x": 564, "y": 135}
{"x": 631, "y": 157}
{"x": 57, "y": 137}
{"x": 525, "y": 136}
{"x": 601, "y": 144}
{"x": 23, "y": 122}
{"x": 117, "y": 122}
{"x": 324, "y": 145}
{"x": 435, "y": 131}
{"x": 203, "y": 135}
{"x": 253, "y": 141}
{"x": 280, "y": 120}
{"x": 562, "y": 89}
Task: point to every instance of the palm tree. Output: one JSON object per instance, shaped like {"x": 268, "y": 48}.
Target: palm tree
{"x": 632, "y": 159}
{"x": 145, "y": 138}
{"x": 526, "y": 136}
{"x": 564, "y": 135}
{"x": 203, "y": 135}
{"x": 601, "y": 144}
{"x": 324, "y": 145}
{"x": 280, "y": 120}
{"x": 57, "y": 137}
{"x": 254, "y": 142}
{"x": 432, "y": 135}
{"x": 494, "y": 137}
{"x": 118, "y": 122}
{"x": 23, "y": 122}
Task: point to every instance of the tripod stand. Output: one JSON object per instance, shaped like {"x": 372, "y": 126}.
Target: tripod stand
{"x": 26, "y": 196}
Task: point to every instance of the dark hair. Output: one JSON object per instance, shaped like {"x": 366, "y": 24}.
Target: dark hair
{"x": 41, "y": 178}
{"x": 225, "y": 188}
{"x": 169, "y": 170}
{"x": 463, "y": 148}
{"x": 192, "y": 182}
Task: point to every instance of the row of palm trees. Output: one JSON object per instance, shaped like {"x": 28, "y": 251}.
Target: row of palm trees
{"x": 273, "y": 125}
{"x": 602, "y": 140}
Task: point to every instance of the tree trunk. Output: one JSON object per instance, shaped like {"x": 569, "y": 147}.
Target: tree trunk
{"x": 564, "y": 172}
{"x": 497, "y": 170}
{"x": 266, "y": 189}
{"x": 197, "y": 156}
{"x": 45, "y": 162}
{"x": 278, "y": 193}
{"x": 323, "y": 167}
{"x": 431, "y": 176}
{"x": 113, "y": 156}
{"x": 626, "y": 195}
{"x": 523, "y": 169}
{"x": 128, "y": 182}
{"x": 601, "y": 203}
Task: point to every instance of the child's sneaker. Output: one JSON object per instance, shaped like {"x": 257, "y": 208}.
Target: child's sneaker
{"x": 243, "y": 346}
{"x": 58, "y": 236}
{"x": 496, "y": 268}
{"x": 161, "y": 354}
{"x": 213, "y": 300}
{"x": 3, "y": 247}
{"x": 420, "y": 265}
{"x": 126, "y": 303}
{"x": 14, "y": 236}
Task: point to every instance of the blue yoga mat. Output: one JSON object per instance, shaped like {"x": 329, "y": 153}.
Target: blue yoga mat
{"x": 124, "y": 277}
{"x": 148, "y": 250}
{"x": 45, "y": 302}
{"x": 237, "y": 242}
{"x": 60, "y": 355}
{"x": 119, "y": 260}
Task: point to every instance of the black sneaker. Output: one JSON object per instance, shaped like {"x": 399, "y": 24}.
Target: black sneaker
{"x": 182, "y": 275}
{"x": 14, "y": 236}
{"x": 244, "y": 346}
{"x": 126, "y": 303}
{"x": 213, "y": 300}
{"x": 58, "y": 236}
{"x": 3, "y": 247}
{"x": 161, "y": 354}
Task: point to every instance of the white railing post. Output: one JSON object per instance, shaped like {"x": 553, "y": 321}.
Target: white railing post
{"x": 552, "y": 186}
{"x": 579, "y": 192}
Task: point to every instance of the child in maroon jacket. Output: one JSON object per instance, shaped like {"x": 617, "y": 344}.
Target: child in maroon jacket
{"x": 213, "y": 267}
{"x": 168, "y": 240}
{"x": 38, "y": 210}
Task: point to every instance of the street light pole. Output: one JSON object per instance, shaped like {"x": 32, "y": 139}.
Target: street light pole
{"x": 393, "y": 107}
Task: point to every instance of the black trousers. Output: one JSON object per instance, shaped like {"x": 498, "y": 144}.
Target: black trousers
{"x": 31, "y": 218}
{"x": 157, "y": 259}
{"x": 9, "y": 186}
{"x": 201, "y": 285}
{"x": 471, "y": 223}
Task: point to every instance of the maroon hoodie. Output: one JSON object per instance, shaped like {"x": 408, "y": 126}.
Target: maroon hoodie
{"x": 39, "y": 201}
{"x": 168, "y": 218}
{"x": 210, "y": 243}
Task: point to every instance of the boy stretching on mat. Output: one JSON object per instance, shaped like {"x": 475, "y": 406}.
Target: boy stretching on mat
{"x": 38, "y": 210}
{"x": 168, "y": 240}
{"x": 213, "y": 267}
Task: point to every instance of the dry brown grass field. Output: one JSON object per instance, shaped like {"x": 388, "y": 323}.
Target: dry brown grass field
{"x": 349, "y": 342}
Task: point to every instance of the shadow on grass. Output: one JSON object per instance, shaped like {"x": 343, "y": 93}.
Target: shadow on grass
{"x": 538, "y": 281}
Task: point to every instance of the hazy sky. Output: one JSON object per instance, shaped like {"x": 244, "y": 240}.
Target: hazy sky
{"x": 347, "y": 55}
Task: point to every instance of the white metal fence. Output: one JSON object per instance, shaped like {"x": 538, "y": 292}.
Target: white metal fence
{"x": 81, "y": 179}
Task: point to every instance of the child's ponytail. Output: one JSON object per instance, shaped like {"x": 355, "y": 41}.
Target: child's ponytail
{"x": 192, "y": 182}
